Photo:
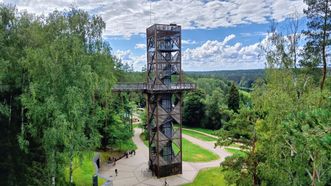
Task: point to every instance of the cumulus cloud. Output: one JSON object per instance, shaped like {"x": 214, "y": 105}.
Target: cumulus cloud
{"x": 188, "y": 42}
{"x": 219, "y": 55}
{"x": 211, "y": 55}
{"x": 251, "y": 34}
{"x": 140, "y": 46}
{"x": 129, "y": 17}
{"x": 126, "y": 56}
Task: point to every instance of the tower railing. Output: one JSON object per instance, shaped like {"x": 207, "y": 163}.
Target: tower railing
{"x": 152, "y": 87}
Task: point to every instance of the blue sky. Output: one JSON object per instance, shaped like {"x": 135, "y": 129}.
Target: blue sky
{"x": 216, "y": 34}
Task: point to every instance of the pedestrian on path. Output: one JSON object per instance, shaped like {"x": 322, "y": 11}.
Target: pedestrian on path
{"x": 116, "y": 172}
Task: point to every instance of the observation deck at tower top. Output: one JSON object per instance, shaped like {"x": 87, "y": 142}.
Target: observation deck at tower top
{"x": 163, "y": 27}
{"x": 153, "y": 88}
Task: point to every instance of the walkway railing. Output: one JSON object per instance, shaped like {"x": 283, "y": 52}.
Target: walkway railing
{"x": 153, "y": 87}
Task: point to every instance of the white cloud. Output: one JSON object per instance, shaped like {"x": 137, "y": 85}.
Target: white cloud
{"x": 219, "y": 55}
{"x": 211, "y": 55}
{"x": 188, "y": 42}
{"x": 128, "y": 17}
{"x": 128, "y": 57}
{"x": 251, "y": 34}
{"x": 140, "y": 46}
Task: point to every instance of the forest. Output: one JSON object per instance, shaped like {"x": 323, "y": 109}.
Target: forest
{"x": 56, "y": 101}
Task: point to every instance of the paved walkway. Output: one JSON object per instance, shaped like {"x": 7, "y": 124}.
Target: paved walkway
{"x": 206, "y": 134}
{"x": 134, "y": 170}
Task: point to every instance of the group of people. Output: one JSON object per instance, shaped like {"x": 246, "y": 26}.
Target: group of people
{"x": 113, "y": 160}
{"x": 132, "y": 152}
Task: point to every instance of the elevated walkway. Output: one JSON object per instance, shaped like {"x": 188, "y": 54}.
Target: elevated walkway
{"x": 153, "y": 88}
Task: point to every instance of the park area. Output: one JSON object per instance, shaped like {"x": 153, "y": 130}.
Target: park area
{"x": 201, "y": 163}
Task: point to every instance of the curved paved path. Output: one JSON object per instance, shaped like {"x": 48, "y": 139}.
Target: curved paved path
{"x": 134, "y": 170}
{"x": 206, "y": 134}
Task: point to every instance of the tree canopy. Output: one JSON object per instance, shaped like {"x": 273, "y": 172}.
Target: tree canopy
{"x": 56, "y": 77}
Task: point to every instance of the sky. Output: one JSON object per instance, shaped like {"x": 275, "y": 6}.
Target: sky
{"x": 216, "y": 34}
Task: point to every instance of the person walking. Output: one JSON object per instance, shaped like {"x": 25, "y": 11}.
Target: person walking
{"x": 116, "y": 172}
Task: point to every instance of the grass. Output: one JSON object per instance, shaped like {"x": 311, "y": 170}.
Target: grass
{"x": 83, "y": 170}
{"x": 209, "y": 177}
{"x": 191, "y": 152}
{"x": 208, "y": 131}
{"x": 198, "y": 135}
{"x": 235, "y": 145}
{"x": 236, "y": 152}
{"x": 142, "y": 137}
{"x": 195, "y": 153}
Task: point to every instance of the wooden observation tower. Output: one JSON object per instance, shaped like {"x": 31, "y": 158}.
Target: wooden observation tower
{"x": 164, "y": 88}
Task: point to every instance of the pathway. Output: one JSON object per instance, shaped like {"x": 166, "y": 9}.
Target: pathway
{"x": 210, "y": 135}
{"x": 134, "y": 170}
{"x": 206, "y": 134}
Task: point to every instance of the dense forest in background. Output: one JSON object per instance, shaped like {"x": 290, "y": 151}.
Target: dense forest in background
{"x": 244, "y": 78}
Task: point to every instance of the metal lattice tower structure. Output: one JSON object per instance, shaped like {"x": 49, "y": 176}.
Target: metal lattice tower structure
{"x": 164, "y": 88}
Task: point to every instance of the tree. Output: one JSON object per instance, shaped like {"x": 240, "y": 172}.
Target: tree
{"x": 296, "y": 138}
{"x": 213, "y": 115}
{"x": 16, "y": 166}
{"x": 293, "y": 36}
{"x": 241, "y": 130}
{"x": 234, "y": 99}
{"x": 194, "y": 109}
{"x": 318, "y": 14}
{"x": 56, "y": 77}
{"x": 287, "y": 140}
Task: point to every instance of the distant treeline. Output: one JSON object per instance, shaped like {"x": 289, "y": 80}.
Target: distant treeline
{"x": 244, "y": 78}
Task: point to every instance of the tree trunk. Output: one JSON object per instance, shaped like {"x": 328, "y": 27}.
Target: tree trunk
{"x": 255, "y": 177}
{"x": 324, "y": 67}
{"x": 70, "y": 168}
{"x": 324, "y": 43}
{"x": 70, "y": 173}
{"x": 314, "y": 176}
{"x": 10, "y": 109}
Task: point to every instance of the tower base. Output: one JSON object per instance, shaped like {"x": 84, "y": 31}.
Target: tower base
{"x": 166, "y": 170}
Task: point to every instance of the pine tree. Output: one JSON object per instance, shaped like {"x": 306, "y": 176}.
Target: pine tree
{"x": 318, "y": 14}
{"x": 233, "y": 100}
{"x": 194, "y": 109}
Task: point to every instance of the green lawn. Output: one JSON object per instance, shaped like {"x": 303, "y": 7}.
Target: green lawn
{"x": 143, "y": 139}
{"x": 192, "y": 152}
{"x": 83, "y": 170}
{"x": 198, "y": 135}
{"x": 235, "y": 145}
{"x": 208, "y": 131}
{"x": 209, "y": 177}
{"x": 236, "y": 152}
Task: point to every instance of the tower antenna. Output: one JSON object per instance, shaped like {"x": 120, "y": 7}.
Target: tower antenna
{"x": 150, "y": 12}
